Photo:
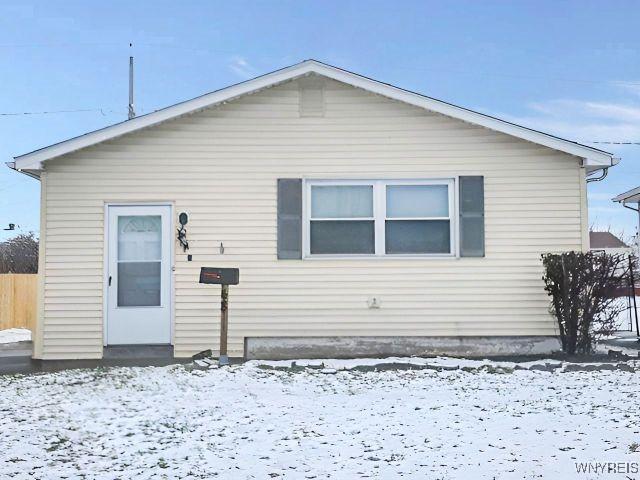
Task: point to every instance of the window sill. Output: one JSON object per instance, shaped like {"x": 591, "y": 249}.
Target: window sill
{"x": 380, "y": 257}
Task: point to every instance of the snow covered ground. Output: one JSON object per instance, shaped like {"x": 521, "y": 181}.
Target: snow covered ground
{"x": 247, "y": 422}
{"x": 11, "y": 335}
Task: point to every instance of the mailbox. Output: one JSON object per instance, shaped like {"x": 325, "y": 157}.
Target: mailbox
{"x": 224, "y": 277}
{"x": 219, "y": 276}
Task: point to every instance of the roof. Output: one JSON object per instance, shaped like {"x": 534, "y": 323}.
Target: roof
{"x": 605, "y": 240}
{"x": 632, "y": 196}
{"x": 593, "y": 158}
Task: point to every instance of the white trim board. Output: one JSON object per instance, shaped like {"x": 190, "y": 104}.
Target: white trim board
{"x": 631, "y": 196}
{"x": 379, "y": 216}
{"x": 592, "y": 157}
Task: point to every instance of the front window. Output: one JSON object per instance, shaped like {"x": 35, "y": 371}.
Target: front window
{"x": 380, "y": 217}
{"x": 342, "y": 219}
{"x": 417, "y": 219}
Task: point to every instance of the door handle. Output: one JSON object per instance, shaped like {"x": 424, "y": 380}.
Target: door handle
{"x": 109, "y": 280}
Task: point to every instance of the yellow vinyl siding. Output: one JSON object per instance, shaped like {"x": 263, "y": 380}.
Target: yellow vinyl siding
{"x": 221, "y": 165}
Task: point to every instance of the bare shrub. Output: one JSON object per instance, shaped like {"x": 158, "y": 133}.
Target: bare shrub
{"x": 19, "y": 254}
{"x": 583, "y": 289}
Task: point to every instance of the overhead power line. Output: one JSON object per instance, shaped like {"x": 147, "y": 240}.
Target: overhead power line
{"x": 616, "y": 143}
{"x": 50, "y": 112}
{"x": 49, "y": 44}
{"x": 106, "y": 112}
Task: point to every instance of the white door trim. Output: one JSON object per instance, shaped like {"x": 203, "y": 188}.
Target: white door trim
{"x": 105, "y": 262}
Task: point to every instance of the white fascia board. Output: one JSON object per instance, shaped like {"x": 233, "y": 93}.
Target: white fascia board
{"x": 632, "y": 196}
{"x": 35, "y": 158}
{"x": 593, "y": 158}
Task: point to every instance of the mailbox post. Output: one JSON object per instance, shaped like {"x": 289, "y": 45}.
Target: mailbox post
{"x": 223, "y": 277}
{"x": 224, "y": 324}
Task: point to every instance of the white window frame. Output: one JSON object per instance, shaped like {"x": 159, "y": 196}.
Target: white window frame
{"x": 380, "y": 216}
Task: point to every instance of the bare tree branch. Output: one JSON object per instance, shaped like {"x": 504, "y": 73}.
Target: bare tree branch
{"x": 584, "y": 290}
{"x": 19, "y": 254}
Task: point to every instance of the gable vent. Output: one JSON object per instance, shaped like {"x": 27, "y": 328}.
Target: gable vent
{"x": 311, "y": 91}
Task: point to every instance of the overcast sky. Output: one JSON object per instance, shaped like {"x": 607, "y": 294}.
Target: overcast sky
{"x": 567, "y": 68}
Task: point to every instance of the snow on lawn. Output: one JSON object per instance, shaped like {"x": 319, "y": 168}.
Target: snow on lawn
{"x": 15, "y": 335}
{"x": 247, "y": 422}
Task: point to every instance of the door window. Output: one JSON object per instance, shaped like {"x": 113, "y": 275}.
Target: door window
{"x": 139, "y": 260}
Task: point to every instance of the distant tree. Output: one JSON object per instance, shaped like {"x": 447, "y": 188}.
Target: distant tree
{"x": 584, "y": 288}
{"x": 19, "y": 254}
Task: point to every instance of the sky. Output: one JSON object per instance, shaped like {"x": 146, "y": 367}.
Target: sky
{"x": 570, "y": 68}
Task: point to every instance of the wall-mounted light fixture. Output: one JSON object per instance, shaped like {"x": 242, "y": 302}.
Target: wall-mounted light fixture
{"x": 183, "y": 218}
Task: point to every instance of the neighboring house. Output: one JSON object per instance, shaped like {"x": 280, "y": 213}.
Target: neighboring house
{"x": 628, "y": 200}
{"x": 607, "y": 242}
{"x": 365, "y": 220}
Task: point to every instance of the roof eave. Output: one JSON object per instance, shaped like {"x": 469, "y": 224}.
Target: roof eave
{"x": 630, "y": 196}
{"x": 593, "y": 158}
{"x": 29, "y": 173}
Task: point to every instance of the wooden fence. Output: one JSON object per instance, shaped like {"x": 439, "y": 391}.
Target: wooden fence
{"x": 18, "y": 300}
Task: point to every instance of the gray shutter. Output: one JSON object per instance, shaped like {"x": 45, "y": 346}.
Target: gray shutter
{"x": 289, "y": 218}
{"x": 472, "y": 216}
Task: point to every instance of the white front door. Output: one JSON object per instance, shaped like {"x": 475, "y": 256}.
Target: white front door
{"x": 139, "y": 275}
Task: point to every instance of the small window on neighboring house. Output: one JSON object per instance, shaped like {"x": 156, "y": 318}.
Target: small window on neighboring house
{"x": 380, "y": 217}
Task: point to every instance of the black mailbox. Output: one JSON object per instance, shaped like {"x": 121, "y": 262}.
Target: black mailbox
{"x": 219, "y": 276}
{"x": 224, "y": 277}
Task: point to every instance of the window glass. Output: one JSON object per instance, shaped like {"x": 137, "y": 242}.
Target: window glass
{"x": 342, "y": 201}
{"x": 139, "y": 284}
{"x": 414, "y": 218}
{"x": 417, "y": 201}
{"x": 417, "y": 236}
{"x": 139, "y": 237}
{"x": 342, "y": 237}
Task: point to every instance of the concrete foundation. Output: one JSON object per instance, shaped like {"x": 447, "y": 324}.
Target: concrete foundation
{"x": 16, "y": 358}
{"x": 282, "y": 348}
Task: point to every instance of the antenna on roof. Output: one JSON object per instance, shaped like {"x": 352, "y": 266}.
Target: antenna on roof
{"x": 132, "y": 113}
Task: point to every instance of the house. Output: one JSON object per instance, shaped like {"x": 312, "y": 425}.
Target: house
{"x": 365, "y": 220}
{"x": 607, "y": 242}
{"x": 627, "y": 200}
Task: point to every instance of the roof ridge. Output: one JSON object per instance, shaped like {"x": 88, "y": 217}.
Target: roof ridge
{"x": 593, "y": 157}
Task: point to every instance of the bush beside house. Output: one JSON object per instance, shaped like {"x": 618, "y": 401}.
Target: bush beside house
{"x": 582, "y": 287}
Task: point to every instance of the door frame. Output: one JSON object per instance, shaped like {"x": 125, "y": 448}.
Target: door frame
{"x": 105, "y": 263}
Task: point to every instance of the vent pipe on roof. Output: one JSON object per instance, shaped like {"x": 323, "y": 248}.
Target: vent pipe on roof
{"x": 132, "y": 113}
